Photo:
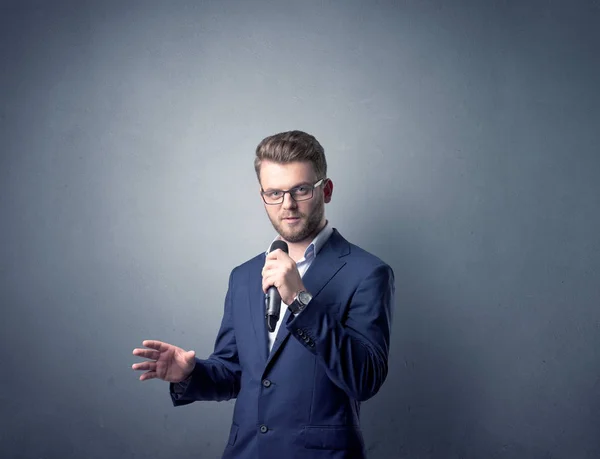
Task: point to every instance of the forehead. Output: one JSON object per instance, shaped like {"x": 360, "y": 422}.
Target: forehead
{"x": 284, "y": 176}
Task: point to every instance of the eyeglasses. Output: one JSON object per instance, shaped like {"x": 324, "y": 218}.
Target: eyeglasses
{"x": 299, "y": 193}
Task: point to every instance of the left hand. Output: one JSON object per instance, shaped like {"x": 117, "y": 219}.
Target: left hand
{"x": 281, "y": 271}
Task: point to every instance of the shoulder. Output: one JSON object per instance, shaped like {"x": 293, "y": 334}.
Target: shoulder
{"x": 359, "y": 256}
{"x": 359, "y": 270}
{"x": 362, "y": 256}
{"x": 249, "y": 267}
{"x": 368, "y": 265}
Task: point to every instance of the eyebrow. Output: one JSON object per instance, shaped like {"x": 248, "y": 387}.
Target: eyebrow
{"x": 295, "y": 186}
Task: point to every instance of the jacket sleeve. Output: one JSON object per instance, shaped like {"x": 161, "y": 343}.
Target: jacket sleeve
{"x": 218, "y": 377}
{"x": 354, "y": 349}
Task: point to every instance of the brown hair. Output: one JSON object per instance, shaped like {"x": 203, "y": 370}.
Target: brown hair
{"x": 287, "y": 147}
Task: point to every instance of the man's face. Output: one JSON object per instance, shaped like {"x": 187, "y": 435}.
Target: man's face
{"x": 295, "y": 221}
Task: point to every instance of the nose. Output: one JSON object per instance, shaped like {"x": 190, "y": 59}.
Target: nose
{"x": 288, "y": 202}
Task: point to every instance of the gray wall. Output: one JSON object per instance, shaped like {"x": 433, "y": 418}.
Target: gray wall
{"x": 462, "y": 140}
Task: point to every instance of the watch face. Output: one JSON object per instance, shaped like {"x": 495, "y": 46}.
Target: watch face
{"x": 304, "y": 297}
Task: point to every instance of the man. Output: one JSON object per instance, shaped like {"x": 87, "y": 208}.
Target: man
{"x": 299, "y": 387}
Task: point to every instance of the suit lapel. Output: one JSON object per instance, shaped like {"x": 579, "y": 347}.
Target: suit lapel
{"x": 326, "y": 264}
{"x": 282, "y": 336}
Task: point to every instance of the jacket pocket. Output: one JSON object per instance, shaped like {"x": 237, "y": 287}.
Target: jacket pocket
{"x": 332, "y": 437}
{"x": 232, "y": 434}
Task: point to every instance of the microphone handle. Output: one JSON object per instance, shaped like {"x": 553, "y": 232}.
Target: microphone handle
{"x": 272, "y": 307}
{"x": 272, "y": 322}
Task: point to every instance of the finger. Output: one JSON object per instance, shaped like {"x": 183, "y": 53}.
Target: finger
{"x": 147, "y": 353}
{"x": 281, "y": 255}
{"x": 275, "y": 254}
{"x": 267, "y": 271}
{"x": 279, "y": 265}
{"x": 268, "y": 282}
{"x": 154, "y": 344}
{"x": 276, "y": 265}
{"x": 144, "y": 366}
{"x": 188, "y": 357}
{"x": 148, "y": 375}
{"x": 270, "y": 264}
{"x": 185, "y": 355}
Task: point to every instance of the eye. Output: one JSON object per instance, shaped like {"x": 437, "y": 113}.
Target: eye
{"x": 301, "y": 190}
{"x": 273, "y": 193}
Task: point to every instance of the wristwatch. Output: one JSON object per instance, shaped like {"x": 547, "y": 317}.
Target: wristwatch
{"x": 300, "y": 302}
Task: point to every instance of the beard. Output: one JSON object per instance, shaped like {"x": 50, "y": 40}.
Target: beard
{"x": 306, "y": 228}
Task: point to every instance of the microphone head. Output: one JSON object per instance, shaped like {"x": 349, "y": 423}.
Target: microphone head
{"x": 279, "y": 244}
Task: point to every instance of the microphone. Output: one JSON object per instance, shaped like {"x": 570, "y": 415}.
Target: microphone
{"x": 272, "y": 298}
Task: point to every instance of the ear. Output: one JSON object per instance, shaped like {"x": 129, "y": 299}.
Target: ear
{"x": 327, "y": 190}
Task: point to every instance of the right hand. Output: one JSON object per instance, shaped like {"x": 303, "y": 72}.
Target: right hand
{"x": 167, "y": 362}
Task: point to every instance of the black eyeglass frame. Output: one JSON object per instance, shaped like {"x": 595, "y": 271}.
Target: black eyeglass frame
{"x": 290, "y": 191}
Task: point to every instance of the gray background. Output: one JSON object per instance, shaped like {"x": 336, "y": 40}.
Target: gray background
{"x": 462, "y": 141}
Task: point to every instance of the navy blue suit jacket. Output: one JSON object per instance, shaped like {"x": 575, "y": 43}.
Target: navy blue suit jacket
{"x": 301, "y": 400}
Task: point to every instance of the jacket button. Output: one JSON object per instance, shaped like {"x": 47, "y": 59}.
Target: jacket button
{"x": 263, "y": 429}
{"x": 266, "y": 383}
{"x": 300, "y": 333}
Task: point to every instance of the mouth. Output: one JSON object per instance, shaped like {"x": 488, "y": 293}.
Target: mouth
{"x": 290, "y": 219}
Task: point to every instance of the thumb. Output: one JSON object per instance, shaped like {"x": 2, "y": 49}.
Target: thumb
{"x": 189, "y": 355}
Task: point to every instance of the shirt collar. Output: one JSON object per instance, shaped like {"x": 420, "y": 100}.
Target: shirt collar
{"x": 317, "y": 243}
